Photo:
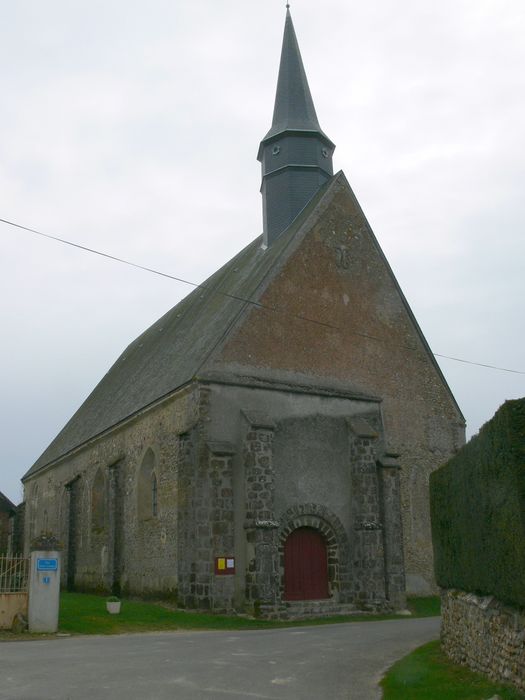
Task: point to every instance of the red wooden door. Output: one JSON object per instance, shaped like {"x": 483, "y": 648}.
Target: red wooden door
{"x": 305, "y": 565}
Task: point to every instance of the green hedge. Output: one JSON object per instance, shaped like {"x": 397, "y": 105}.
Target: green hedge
{"x": 477, "y": 503}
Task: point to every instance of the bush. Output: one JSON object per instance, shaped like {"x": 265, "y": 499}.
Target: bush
{"x": 477, "y": 505}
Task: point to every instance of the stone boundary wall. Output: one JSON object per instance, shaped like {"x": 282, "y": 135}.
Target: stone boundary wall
{"x": 485, "y": 635}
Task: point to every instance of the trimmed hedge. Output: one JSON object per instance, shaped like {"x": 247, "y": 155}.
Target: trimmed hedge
{"x": 477, "y": 503}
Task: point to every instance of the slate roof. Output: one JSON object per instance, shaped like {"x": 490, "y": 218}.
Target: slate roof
{"x": 6, "y": 506}
{"x": 294, "y": 107}
{"x": 176, "y": 348}
{"x": 171, "y": 352}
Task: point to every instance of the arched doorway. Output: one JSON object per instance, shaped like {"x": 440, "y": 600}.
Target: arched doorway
{"x": 305, "y": 565}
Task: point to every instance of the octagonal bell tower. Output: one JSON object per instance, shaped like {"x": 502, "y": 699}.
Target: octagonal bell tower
{"x": 296, "y": 155}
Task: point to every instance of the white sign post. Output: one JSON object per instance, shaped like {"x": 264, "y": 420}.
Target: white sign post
{"x": 44, "y": 585}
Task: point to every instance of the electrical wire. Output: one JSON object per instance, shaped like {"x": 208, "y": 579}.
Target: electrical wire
{"x": 233, "y": 296}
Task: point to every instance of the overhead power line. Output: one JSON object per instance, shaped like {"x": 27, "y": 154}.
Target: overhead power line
{"x": 233, "y": 296}
{"x": 478, "y": 364}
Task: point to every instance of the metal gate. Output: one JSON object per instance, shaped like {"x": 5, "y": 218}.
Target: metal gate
{"x": 14, "y": 581}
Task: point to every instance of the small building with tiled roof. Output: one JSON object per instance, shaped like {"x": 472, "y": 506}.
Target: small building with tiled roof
{"x": 7, "y": 514}
{"x": 267, "y": 443}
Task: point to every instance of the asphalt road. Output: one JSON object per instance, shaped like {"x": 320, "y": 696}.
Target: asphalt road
{"x": 332, "y": 661}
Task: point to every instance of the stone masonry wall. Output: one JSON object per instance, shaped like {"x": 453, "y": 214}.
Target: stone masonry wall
{"x": 335, "y": 272}
{"x": 109, "y": 546}
{"x": 485, "y": 635}
{"x": 389, "y": 486}
{"x": 301, "y": 460}
{"x": 262, "y": 576}
{"x": 205, "y": 516}
{"x": 368, "y": 557}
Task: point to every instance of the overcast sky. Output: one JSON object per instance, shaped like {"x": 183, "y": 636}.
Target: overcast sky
{"x": 133, "y": 127}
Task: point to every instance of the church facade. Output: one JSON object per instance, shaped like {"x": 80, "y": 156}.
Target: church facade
{"x": 266, "y": 445}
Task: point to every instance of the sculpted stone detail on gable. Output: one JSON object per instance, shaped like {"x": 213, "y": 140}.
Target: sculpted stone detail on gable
{"x": 342, "y": 256}
{"x": 342, "y": 244}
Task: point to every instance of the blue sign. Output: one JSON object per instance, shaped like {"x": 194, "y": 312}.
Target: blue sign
{"x": 47, "y": 564}
{"x": 46, "y": 579}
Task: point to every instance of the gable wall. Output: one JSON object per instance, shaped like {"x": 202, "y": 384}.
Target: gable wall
{"x": 338, "y": 276}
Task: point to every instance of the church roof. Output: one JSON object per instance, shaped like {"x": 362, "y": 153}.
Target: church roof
{"x": 173, "y": 350}
{"x": 179, "y": 346}
{"x": 6, "y": 506}
{"x": 294, "y": 107}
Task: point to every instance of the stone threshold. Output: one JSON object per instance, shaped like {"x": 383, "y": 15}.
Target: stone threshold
{"x": 304, "y": 609}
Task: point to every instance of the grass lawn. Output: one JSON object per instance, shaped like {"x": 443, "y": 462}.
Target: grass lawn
{"x": 427, "y": 674}
{"x": 82, "y": 613}
{"x": 425, "y": 607}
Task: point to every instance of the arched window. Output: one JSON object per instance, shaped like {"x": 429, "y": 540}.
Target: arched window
{"x": 305, "y": 565}
{"x": 147, "y": 488}
{"x": 98, "y": 501}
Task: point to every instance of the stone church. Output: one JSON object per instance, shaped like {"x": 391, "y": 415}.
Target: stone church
{"x": 266, "y": 445}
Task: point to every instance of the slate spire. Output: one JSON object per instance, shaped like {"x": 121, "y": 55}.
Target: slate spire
{"x": 294, "y": 106}
{"x": 296, "y": 155}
